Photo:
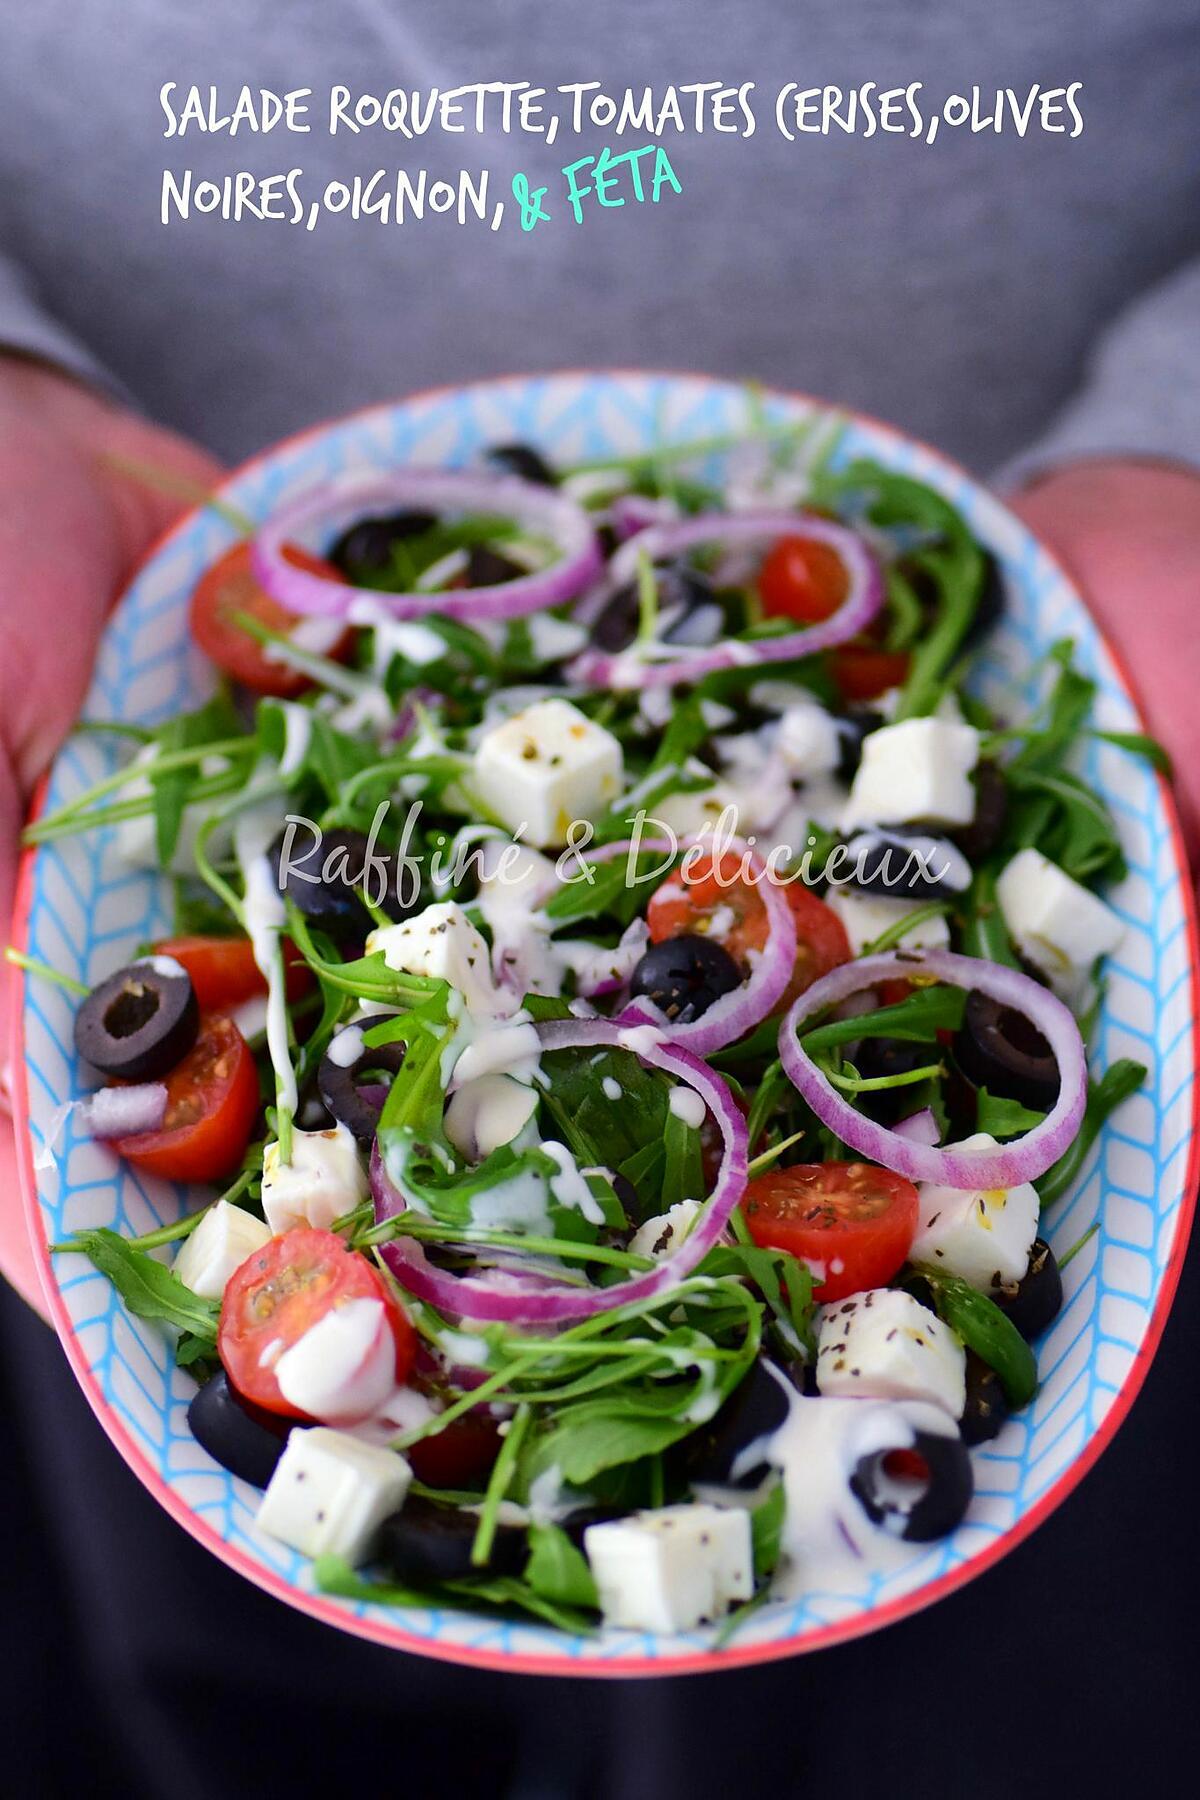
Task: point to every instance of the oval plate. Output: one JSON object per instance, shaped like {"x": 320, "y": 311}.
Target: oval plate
{"x": 81, "y": 911}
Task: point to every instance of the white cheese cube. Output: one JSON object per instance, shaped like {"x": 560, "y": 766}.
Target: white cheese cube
{"x": 662, "y": 1235}
{"x": 342, "y": 1368}
{"x": 672, "y": 1569}
{"x": 916, "y": 771}
{"x": 323, "y": 1180}
{"x": 331, "y": 1492}
{"x": 868, "y": 916}
{"x": 546, "y": 767}
{"x": 808, "y": 741}
{"x": 1058, "y": 925}
{"x": 691, "y": 815}
{"x": 443, "y": 943}
{"x": 983, "y": 1235}
{"x": 884, "y": 1345}
{"x": 221, "y": 1242}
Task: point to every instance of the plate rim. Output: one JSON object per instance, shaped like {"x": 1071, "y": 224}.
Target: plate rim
{"x": 702, "y": 1661}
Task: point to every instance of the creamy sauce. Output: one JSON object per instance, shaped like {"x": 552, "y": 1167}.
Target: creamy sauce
{"x": 264, "y": 917}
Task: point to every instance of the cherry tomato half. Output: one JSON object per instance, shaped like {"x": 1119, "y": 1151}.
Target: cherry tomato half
{"x": 690, "y": 905}
{"x": 856, "y": 1221}
{"x": 229, "y": 588}
{"x": 212, "y": 1103}
{"x": 283, "y": 1289}
{"x": 224, "y": 973}
{"x": 863, "y": 673}
{"x": 802, "y": 578}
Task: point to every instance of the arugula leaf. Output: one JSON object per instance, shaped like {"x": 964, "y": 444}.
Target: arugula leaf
{"x": 148, "y": 1287}
{"x": 766, "y": 1531}
{"x": 595, "y": 1435}
{"x": 213, "y": 723}
{"x": 556, "y": 1570}
{"x": 983, "y": 1328}
{"x": 917, "y": 1019}
{"x": 984, "y": 933}
{"x": 506, "y": 1591}
{"x": 333, "y": 1575}
{"x": 785, "y": 1283}
{"x": 1003, "y": 1118}
{"x": 1139, "y": 743}
{"x": 1117, "y": 1083}
{"x": 683, "y": 1172}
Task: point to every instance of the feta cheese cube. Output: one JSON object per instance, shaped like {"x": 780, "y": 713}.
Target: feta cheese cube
{"x": 330, "y": 1493}
{"x": 916, "y": 771}
{"x": 983, "y": 1235}
{"x": 1058, "y": 925}
{"x": 221, "y": 1242}
{"x": 672, "y": 1569}
{"x": 691, "y": 815}
{"x": 662, "y": 1235}
{"x": 868, "y": 916}
{"x": 546, "y": 767}
{"x": 884, "y": 1345}
{"x": 323, "y": 1180}
{"x": 443, "y": 943}
{"x": 808, "y": 741}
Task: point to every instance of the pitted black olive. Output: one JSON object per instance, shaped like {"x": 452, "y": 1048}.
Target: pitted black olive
{"x": 731, "y": 1447}
{"x": 323, "y": 879}
{"x": 365, "y": 547}
{"x": 987, "y": 1405}
{"x": 243, "y": 1439}
{"x": 875, "y": 1057}
{"x": 576, "y": 1523}
{"x": 684, "y": 976}
{"x": 908, "y": 865}
{"x": 980, "y": 837}
{"x": 683, "y": 590}
{"x": 989, "y": 608}
{"x": 853, "y": 727}
{"x": 353, "y": 1103}
{"x": 425, "y": 1542}
{"x": 1000, "y": 1050}
{"x": 1036, "y": 1300}
{"x": 522, "y": 460}
{"x": 140, "y": 1022}
{"x": 919, "y": 1492}
{"x": 488, "y": 568}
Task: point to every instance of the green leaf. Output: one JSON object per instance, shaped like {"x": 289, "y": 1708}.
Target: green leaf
{"x": 1002, "y": 1118}
{"x": 984, "y": 933}
{"x": 148, "y": 1287}
{"x": 917, "y": 1019}
{"x": 1118, "y": 1082}
{"x": 507, "y": 1591}
{"x": 333, "y": 1575}
{"x": 766, "y": 1531}
{"x": 683, "y": 1169}
{"x": 557, "y": 1570}
{"x": 785, "y": 1283}
{"x": 601, "y": 1434}
{"x": 1139, "y": 743}
{"x": 983, "y": 1328}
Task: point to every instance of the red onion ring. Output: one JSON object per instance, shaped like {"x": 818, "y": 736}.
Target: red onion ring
{"x": 1006, "y": 1166}
{"x": 534, "y": 1303}
{"x": 919, "y": 1128}
{"x": 631, "y": 513}
{"x": 864, "y": 599}
{"x": 115, "y": 1112}
{"x": 732, "y": 1015}
{"x": 543, "y": 510}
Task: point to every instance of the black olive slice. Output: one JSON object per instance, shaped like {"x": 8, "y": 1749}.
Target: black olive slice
{"x": 682, "y": 590}
{"x": 425, "y": 1542}
{"x": 522, "y": 460}
{"x": 140, "y": 1022}
{"x": 907, "y": 865}
{"x": 684, "y": 975}
{"x": 356, "y": 1106}
{"x": 243, "y": 1439}
{"x": 323, "y": 880}
{"x": 920, "y": 1492}
{"x": 852, "y": 729}
{"x": 1036, "y": 1300}
{"x": 987, "y": 1405}
{"x": 488, "y": 568}
{"x": 980, "y": 837}
{"x": 731, "y": 1447}
{"x": 365, "y": 547}
{"x": 1000, "y": 1049}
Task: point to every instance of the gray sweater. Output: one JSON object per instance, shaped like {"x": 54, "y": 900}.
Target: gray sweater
{"x": 1003, "y": 296}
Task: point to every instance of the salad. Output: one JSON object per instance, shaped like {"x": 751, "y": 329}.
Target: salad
{"x": 625, "y": 1017}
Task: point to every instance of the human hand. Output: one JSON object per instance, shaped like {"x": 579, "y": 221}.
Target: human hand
{"x": 1128, "y": 533}
{"x": 71, "y": 532}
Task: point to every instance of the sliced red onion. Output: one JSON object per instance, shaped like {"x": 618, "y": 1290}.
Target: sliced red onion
{"x": 529, "y": 1300}
{"x": 1009, "y": 1164}
{"x": 919, "y": 1128}
{"x": 863, "y": 600}
{"x": 732, "y": 1015}
{"x": 114, "y": 1112}
{"x": 334, "y": 505}
{"x": 631, "y": 513}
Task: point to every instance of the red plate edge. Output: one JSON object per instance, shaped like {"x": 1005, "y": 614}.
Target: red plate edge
{"x": 695, "y": 1662}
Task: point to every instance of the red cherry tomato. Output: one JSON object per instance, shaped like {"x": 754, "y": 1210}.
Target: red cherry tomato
{"x": 802, "y": 578}
{"x": 280, "y": 1291}
{"x": 689, "y": 906}
{"x": 212, "y": 1103}
{"x": 863, "y": 673}
{"x": 225, "y": 974}
{"x": 854, "y": 1220}
{"x": 229, "y": 588}
{"x": 458, "y": 1457}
